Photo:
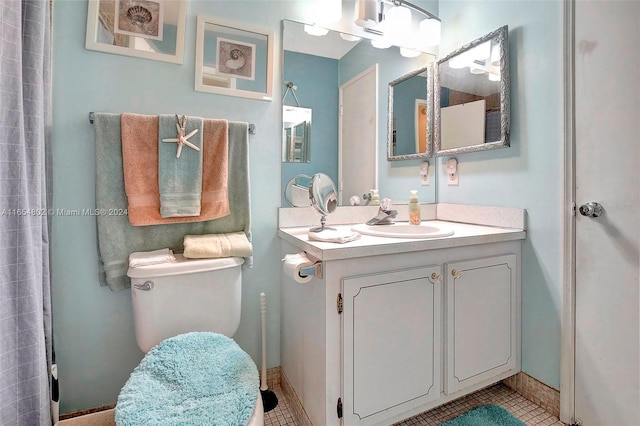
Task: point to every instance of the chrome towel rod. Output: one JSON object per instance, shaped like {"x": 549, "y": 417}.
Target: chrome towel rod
{"x": 252, "y": 127}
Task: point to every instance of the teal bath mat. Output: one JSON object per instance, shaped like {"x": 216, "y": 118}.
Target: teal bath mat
{"x": 484, "y": 415}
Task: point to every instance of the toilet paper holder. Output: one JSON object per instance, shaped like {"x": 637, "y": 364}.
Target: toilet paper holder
{"x": 315, "y": 269}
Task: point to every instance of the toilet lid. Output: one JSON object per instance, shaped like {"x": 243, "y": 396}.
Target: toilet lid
{"x": 194, "y": 378}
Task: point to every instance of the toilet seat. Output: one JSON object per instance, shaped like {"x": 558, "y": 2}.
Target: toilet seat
{"x": 193, "y": 378}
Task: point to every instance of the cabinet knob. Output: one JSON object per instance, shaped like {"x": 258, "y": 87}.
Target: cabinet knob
{"x": 435, "y": 278}
{"x": 455, "y": 273}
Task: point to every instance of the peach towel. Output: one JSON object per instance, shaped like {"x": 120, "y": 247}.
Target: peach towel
{"x": 140, "y": 163}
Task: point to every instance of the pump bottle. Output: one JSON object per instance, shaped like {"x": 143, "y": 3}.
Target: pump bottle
{"x": 414, "y": 208}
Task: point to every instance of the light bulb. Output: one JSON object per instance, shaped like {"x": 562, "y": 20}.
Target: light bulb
{"x": 315, "y": 30}
{"x": 381, "y": 43}
{"x": 366, "y": 13}
{"x": 409, "y": 53}
{"x": 398, "y": 20}
{"x": 349, "y": 37}
{"x": 430, "y": 32}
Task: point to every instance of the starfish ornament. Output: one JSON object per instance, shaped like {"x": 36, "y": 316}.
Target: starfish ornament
{"x": 182, "y": 139}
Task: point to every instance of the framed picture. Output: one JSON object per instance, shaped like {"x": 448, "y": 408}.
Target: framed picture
{"x": 236, "y": 59}
{"x": 150, "y": 29}
{"x": 139, "y": 18}
{"x": 241, "y": 56}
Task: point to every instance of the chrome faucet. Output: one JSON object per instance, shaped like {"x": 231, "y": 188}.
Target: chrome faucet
{"x": 385, "y": 215}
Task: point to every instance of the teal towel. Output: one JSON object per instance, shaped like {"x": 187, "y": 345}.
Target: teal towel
{"x": 484, "y": 415}
{"x": 179, "y": 178}
{"x": 117, "y": 238}
{"x": 195, "y": 378}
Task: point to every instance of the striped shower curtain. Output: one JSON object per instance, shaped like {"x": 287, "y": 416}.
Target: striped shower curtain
{"x": 25, "y": 194}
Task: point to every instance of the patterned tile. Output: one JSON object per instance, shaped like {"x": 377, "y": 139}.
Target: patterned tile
{"x": 499, "y": 394}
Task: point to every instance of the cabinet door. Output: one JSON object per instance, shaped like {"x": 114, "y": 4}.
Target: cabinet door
{"x": 391, "y": 344}
{"x": 481, "y": 320}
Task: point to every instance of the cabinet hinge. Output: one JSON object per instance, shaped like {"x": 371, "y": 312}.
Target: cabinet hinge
{"x": 339, "y": 408}
{"x": 339, "y": 304}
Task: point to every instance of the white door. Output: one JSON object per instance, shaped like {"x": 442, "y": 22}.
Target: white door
{"x": 607, "y": 161}
{"x": 357, "y": 156}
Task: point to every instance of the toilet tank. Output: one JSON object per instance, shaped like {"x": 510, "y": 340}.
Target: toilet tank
{"x": 186, "y": 295}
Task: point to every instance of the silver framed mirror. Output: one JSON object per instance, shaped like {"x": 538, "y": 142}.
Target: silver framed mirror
{"x": 471, "y": 96}
{"x": 410, "y": 116}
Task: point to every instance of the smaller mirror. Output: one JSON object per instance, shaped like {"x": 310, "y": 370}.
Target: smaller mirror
{"x": 296, "y": 192}
{"x": 233, "y": 59}
{"x": 296, "y": 134}
{"x": 409, "y": 119}
{"x": 471, "y": 97}
{"x": 324, "y": 198}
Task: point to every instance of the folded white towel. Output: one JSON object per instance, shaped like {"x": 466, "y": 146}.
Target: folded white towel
{"x": 143, "y": 258}
{"x": 332, "y": 236}
{"x": 217, "y": 245}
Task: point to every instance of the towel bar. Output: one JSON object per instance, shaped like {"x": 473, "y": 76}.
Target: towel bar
{"x": 252, "y": 127}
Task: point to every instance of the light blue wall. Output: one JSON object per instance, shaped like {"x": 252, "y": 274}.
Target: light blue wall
{"x": 395, "y": 178}
{"x": 95, "y": 344}
{"x": 93, "y": 327}
{"x": 317, "y": 82}
{"x": 528, "y": 174}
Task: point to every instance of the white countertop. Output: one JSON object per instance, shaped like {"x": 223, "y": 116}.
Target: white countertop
{"x": 465, "y": 234}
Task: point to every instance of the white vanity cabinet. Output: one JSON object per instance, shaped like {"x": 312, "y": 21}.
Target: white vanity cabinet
{"x": 481, "y": 320}
{"x": 395, "y": 328}
{"x": 391, "y": 343}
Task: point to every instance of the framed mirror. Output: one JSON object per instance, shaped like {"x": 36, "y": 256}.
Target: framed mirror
{"x": 344, "y": 78}
{"x": 296, "y": 134}
{"x": 410, "y": 125}
{"x": 150, "y": 29}
{"x": 233, "y": 59}
{"x": 471, "y": 97}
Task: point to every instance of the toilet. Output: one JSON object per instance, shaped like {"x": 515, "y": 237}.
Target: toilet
{"x": 185, "y": 313}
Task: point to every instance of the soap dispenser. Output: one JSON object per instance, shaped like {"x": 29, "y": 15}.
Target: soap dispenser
{"x": 375, "y": 197}
{"x": 414, "y": 208}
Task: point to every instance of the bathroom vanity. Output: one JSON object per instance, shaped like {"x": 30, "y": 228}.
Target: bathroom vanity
{"x": 392, "y": 327}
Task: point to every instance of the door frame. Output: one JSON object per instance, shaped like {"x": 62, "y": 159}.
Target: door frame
{"x": 568, "y": 314}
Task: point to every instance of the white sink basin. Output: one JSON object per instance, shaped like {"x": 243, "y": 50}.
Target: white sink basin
{"x": 405, "y": 230}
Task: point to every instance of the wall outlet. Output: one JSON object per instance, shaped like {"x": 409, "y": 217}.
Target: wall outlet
{"x": 452, "y": 178}
{"x": 452, "y": 172}
{"x": 424, "y": 173}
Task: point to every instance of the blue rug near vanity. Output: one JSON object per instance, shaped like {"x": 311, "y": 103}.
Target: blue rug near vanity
{"x": 484, "y": 415}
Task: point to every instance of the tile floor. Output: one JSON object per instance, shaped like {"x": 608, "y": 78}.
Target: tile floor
{"x": 525, "y": 410}
{"x": 499, "y": 394}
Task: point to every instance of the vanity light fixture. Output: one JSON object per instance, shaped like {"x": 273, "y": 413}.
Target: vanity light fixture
{"x": 392, "y": 18}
